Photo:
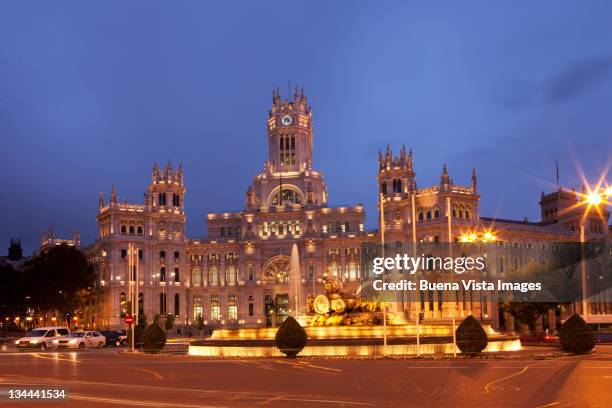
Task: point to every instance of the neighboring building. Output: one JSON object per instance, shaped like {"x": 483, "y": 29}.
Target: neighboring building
{"x": 49, "y": 240}
{"x": 238, "y": 274}
{"x": 15, "y": 253}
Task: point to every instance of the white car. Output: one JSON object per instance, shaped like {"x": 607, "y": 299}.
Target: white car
{"x": 81, "y": 340}
{"x": 41, "y": 338}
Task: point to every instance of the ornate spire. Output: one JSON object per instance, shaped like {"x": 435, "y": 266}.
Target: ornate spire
{"x": 410, "y": 159}
{"x": 474, "y": 181}
{"x": 444, "y": 180}
{"x": 179, "y": 173}
{"x": 169, "y": 171}
{"x": 101, "y": 201}
{"x": 113, "y": 197}
{"x": 155, "y": 173}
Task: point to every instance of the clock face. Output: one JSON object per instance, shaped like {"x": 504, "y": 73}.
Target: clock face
{"x": 286, "y": 120}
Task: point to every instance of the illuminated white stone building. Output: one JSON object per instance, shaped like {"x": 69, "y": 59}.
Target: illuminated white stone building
{"x": 238, "y": 274}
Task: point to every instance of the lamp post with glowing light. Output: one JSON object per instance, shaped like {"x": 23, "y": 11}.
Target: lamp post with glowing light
{"x": 591, "y": 198}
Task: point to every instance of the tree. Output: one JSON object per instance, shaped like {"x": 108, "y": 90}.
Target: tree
{"x": 576, "y": 336}
{"x": 169, "y": 322}
{"x": 12, "y": 294}
{"x": 528, "y": 312}
{"x": 153, "y": 339}
{"x": 291, "y": 337}
{"x": 471, "y": 337}
{"x": 60, "y": 279}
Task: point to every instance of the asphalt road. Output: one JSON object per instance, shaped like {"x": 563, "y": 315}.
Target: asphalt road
{"x": 105, "y": 378}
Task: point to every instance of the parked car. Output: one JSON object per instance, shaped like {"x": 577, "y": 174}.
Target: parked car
{"x": 41, "y": 338}
{"x": 539, "y": 337}
{"x": 112, "y": 336}
{"x": 122, "y": 340}
{"x": 81, "y": 340}
{"x": 603, "y": 337}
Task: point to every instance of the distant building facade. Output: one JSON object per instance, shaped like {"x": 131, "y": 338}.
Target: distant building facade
{"x": 238, "y": 274}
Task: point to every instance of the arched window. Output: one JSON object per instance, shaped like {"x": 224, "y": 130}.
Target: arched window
{"x": 177, "y": 305}
{"x": 123, "y": 229}
{"x": 383, "y": 188}
{"x": 460, "y": 213}
{"x": 338, "y": 227}
{"x": 420, "y": 216}
{"x": 176, "y": 275}
{"x": 436, "y": 213}
{"x": 429, "y": 215}
{"x": 231, "y": 277}
{"x": 122, "y": 304}
{"x": 162, "y": 254}
{"x": 213, "y": 275}
{"x": 162, "y": 274}
{"x": 454, "y": 213}
{"x": 131, "y": 230}
{"x": 467, "y": 214}
{"x": 397, "y": 185}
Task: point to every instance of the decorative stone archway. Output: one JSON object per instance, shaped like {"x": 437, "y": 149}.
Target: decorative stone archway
{"x": 276, "y": 269}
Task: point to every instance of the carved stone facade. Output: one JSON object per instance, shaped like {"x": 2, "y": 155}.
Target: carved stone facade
{"x": 238, "y": 274}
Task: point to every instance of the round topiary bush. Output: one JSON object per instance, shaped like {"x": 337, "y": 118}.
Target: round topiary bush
{"x": 471, "y": 337}
{"x": 290, "y": 337}
{"x": 153, "y": 339}
{"x": 576, "y": 336}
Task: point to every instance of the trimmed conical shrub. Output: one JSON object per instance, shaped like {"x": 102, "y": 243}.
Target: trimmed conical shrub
{"x": 471, "y": 337}
{"x": 290, "y": 337}
{"x": 153, "y": 339}
{"x": 576, "y": 336}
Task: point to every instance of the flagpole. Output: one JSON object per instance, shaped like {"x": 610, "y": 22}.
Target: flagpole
{"x": 450, "y": 249}
{"x": 382, "y": 242}
{"x": 417, "y": 304}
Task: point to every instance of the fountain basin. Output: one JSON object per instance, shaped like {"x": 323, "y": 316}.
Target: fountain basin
{"x": 346, "y": 341}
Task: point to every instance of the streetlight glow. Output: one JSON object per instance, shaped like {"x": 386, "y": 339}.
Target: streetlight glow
{"x": 594, "y": 198}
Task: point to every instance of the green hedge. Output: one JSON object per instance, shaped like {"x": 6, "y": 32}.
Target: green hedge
{"x": 291, "y": 337}
{"x": 153, "y": 339}
{"x": 576, "y": 336}
{"x": 471, "y": 337}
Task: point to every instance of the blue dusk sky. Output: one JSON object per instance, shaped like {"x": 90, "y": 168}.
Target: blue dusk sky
{"x": 92, "y": 93}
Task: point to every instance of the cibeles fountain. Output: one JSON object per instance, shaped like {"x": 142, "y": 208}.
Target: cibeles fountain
{"x": 341, "y": 324}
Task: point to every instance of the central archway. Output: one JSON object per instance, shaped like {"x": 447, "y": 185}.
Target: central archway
{"x": 276, "y": 269}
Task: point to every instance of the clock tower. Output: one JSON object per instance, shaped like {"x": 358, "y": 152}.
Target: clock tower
{"x": 288, "y": 179}
{"x": 290, "y": 133}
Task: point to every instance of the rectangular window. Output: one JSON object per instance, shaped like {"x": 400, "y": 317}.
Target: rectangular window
{"x": 196, "y": 276}
{"x": 198, "y": 311}
{"x": 215, "y": 311}
{"x": 213, "y": 275}
{"x": 232, "y": 308}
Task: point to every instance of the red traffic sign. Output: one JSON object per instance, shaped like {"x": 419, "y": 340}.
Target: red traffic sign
{"x": 129, "y": 319}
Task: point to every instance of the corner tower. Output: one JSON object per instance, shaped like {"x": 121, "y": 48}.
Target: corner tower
{"x": 395, "y": 173}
